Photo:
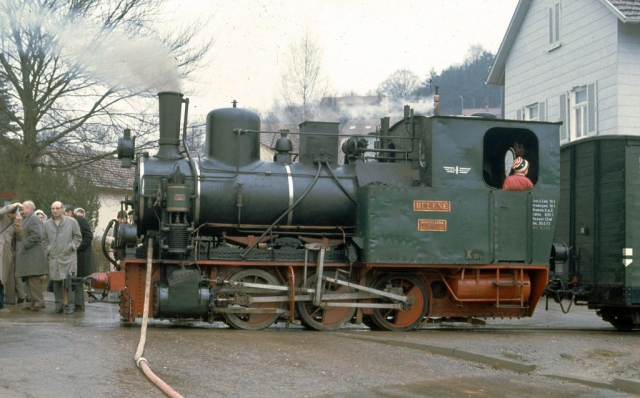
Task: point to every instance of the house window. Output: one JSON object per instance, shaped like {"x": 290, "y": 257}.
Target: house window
{"x": 578, "y": 115}
{"x": 579, "y": 112}
{"x": 554, "y": 24}
{"x": 532, "y": 112}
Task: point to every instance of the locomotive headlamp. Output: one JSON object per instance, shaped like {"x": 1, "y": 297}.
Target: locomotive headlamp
{"x": 126, "y": 148}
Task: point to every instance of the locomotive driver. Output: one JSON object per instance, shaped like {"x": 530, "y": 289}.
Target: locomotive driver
{"x": 515, "y": 151}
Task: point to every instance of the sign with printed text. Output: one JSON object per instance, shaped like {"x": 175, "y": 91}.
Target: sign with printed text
{"x": 542, "y": 213}
{"x": 431, "y": 205}
{"x": 432, "y": 225}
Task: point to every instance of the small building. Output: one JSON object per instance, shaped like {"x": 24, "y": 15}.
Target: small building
{"x": 113, "y": 183}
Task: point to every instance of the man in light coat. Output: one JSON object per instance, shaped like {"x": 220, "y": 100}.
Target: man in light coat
{"x": 30, "y": 259}
{"x": 62, "y": 238}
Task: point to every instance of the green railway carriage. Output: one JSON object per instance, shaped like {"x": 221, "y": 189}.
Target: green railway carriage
{"x": 599, "y": 220}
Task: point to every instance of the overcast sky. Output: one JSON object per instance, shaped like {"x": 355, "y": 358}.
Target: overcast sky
{"x": 364, "y": 41}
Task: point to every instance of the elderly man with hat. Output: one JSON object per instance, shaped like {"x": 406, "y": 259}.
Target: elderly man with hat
{"x": 518, "y": 180}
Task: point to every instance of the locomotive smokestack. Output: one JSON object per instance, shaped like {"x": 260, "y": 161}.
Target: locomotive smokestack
{"x": 170, "y": 113}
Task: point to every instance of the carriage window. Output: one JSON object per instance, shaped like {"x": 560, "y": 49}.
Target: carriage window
{"x": 500, "y": 142}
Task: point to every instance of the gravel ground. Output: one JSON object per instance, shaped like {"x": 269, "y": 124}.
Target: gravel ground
{"x": 577, "y": 344}
{"x": 90, "y": 355}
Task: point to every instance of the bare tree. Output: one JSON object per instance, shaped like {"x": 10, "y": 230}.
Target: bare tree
{"x": 78, "y": 72}
{"x": 401, "y": 85}
{"x": 302, "y": 82}
{"x": 474, "y": 53}
{"x": 196, "y": 133}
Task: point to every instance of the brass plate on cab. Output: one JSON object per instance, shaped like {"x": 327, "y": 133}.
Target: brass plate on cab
{"x": 432, "y": 225}
{"x": 432, "y": 205}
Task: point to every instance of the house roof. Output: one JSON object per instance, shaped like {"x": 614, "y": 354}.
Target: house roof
{"x": 627, "y": 11}
{"x": 102, "y": 169}
{"x": 360, "y": 126}
{"x": 106, "y": 173}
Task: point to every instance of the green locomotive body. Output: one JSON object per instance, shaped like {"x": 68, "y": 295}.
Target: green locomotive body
{"x": 413, "y": 225}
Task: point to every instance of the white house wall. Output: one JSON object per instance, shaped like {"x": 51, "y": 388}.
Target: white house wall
{"x": 587, "y": 55}
{"x": 629, "y": 79}
{"x": 109, "y": 208}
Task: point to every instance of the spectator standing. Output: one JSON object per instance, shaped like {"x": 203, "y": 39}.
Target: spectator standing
{"x": 43, "y": 217}
{"x": 13, "y": 291}
{"x": 30, "y": 258}
{"x": 62, "y": 238}
{"x": 85, "y": 255}
{"x": 6, "y": 236}
{"x": 122, "y": 217}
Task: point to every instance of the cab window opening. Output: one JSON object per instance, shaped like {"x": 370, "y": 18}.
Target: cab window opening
{"x": 499, "y": 142}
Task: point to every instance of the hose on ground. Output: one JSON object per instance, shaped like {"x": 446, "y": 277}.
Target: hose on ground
{"x": 141, "y": 362}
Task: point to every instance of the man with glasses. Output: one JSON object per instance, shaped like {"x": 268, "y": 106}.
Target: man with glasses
{"x": 62, "y": 238}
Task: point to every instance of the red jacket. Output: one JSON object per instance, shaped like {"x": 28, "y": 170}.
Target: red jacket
{"x": 517, "y": 182}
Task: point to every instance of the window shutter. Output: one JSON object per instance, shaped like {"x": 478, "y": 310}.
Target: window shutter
{"x": 592, "y": 110}
{"x": 563, "y": 117}
{"x": 556, "y": 26}
{"x": 550, "y": 12}
{"x": 542, "y": 111}
{"x": 519, "y": 114}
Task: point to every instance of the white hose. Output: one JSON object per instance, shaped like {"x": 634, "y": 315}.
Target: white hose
{"x": 141, "y": 362}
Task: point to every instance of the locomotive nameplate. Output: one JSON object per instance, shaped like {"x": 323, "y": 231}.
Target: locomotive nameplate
{"x": 432, "y": 225}
{"x": 432, "y": 205}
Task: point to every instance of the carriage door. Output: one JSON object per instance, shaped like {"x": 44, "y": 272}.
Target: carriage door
{"x": 512, "y": 227}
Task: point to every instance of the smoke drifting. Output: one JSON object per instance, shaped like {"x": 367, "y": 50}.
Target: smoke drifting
{"x": 388, "y": 107}
{"x": 134, "y": 64}
{"x": 113, "y": 58}
{"x": 141, "y": 64}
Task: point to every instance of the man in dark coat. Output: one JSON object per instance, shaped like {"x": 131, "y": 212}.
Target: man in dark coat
{"x": 85, "y": 255}
{"x": 31, "y": 262}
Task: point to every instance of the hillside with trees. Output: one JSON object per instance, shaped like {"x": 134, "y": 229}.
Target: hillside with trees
{"x": 464, "y": 85}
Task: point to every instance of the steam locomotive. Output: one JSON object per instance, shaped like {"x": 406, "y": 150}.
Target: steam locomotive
{"x": 412, "y": 225}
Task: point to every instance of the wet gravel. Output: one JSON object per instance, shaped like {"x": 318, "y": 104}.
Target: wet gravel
{"x": 90, "y": 355}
